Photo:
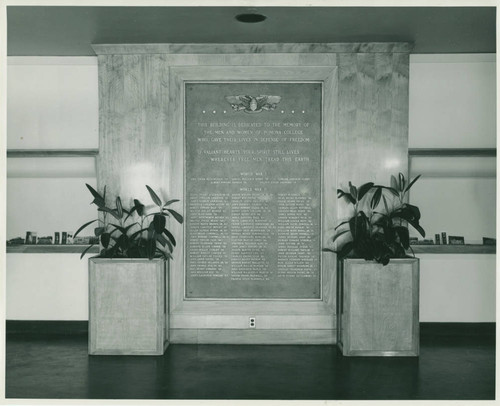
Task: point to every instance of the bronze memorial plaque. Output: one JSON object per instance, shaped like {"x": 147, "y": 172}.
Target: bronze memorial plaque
{"x": 253, "y": 198}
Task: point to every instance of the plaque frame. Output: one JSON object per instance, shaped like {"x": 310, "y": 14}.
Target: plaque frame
{"x": 191, "y": 314}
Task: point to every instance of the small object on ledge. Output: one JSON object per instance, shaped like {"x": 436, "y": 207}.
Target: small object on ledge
{"x": 424, "y": 242}
{"x": 33, "y": 238}
{"x": 456, "y": 240}
{"x": 85, "y": 240}
{"x": 28, "y": 237}
{"x": 56, "y": 237}
{"x": 45, "y": 240}
{"x": 69, "y": 239}
{"x": 413, "y": 240}
{"x": 16, "y": 241}
{"x": 443, "y": 235}
{"x": 438, "y": 239}
{"x": 489, "y": 241}
{"x": 64, "y": 238}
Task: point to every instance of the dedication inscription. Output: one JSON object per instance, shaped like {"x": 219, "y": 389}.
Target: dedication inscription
{"x": 253, "y": 201}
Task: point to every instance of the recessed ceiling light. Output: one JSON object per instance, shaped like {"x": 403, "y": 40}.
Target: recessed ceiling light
{"x": 250, "y": 17}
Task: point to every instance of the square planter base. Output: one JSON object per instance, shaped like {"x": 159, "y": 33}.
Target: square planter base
{"x": 128, "y": 306}
{"x": 378, "y": 308}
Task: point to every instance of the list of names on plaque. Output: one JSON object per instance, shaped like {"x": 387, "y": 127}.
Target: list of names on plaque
{"x": 253, "y": 172}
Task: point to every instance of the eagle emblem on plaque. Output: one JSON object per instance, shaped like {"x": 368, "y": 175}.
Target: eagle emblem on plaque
{"x": 253, "y": 104}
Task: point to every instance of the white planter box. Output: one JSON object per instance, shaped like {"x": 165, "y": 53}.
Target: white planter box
{"x": 378, "y": 308}
{"x": 128, "y": 306}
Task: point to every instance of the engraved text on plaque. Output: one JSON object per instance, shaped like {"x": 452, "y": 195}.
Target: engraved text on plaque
{"x": 253, "y": 200}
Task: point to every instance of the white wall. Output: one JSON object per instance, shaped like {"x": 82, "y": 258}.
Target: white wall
{"x": 47, "y": 287}
{"x": 452, "y": 101}
{"x": 460, "y": 206}
{"x": 52, "y": 103}
{"x": 457, "y": 287}
{"x": 47, "y": 205}
{"x": 452, "y": 105}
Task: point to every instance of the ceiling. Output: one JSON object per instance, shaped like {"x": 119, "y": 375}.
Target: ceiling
{"x": 69, "y": 30}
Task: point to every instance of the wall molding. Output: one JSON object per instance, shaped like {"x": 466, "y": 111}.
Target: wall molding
{"x": 52, "y": 60}
{"x": 31, "y": 153}
{"x": 452, "y": 58}
{"x": 347, "y": 47}
{"x": 453, "y": 152}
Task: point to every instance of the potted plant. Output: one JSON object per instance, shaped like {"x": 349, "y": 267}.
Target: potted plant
{"x": 128, "y": 296}
{"x": 377, "y": 280}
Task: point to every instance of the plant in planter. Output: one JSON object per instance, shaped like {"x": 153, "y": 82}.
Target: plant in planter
{"x": 377, "y": 281}
{"x": 135, "y": 236}
{"x": 377, "y": 235}
{"x": 128, "y": 296}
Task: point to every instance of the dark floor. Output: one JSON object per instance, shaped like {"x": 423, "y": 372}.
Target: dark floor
{"x": 449, "y": 367}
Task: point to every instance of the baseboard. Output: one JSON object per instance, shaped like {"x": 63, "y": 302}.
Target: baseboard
{"x": 47, "y": 327}
{"x": 81, "y": 327}
{"x": 458, "y": 329}
{"x": 253, "y": 336}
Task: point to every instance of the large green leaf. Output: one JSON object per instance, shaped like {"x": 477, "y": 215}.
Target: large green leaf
{"x": 130, "y": 213}
{"x": 119, "y": 207}
{"x": 164, "y": 241}
{"x": 151, "y": 248}
{"x": 154, "y": 196}
{"x": 347, "y": 196}
{"x": 341, "y": 224}
{"x": 82, "y": 227}
{"x": 345, "y": 249}
{"x": 139, "y": 207}
{"x": 404, "y": 236}
{"x": 414, "y": 210}
{"x": 136, "y": 233}
{"x": 123, "y": 230}
{"x": 411, "y": 214}
{"x": 364, "y": 189}
{"x": 170, "y": 237}
{"x": 411, "y": 183}
{"x": 339, "y": 234}
{"x": 114, "y": 213}
{"x": 376, "y": 198}
{"x": 164, "y": 254}
{"x": 159, "y": 222}
{"x": 407, "y": 212}
{"x": 392, "y": 190}
{"x": 170, "y": 202}
{"x": 151, "y": 231}
{"x": 176, "y": 215}
{"x": 358, "y": 226}
{"x": 169, "y": 245}
{"x": 354, "y": 191}
{"x": 161, "y": 239}
{"x": 98, "y": 199}
{"x": 386, "y": 206}
{"x": 394, "y": 183}
{"x": 86, "y": 249}
{"x": 402, "y": 182}
{"x": 105, "y": 239}
{"x": 122, "y": 241}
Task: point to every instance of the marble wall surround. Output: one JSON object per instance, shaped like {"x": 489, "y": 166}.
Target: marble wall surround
{"x": 138, "y": 146}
